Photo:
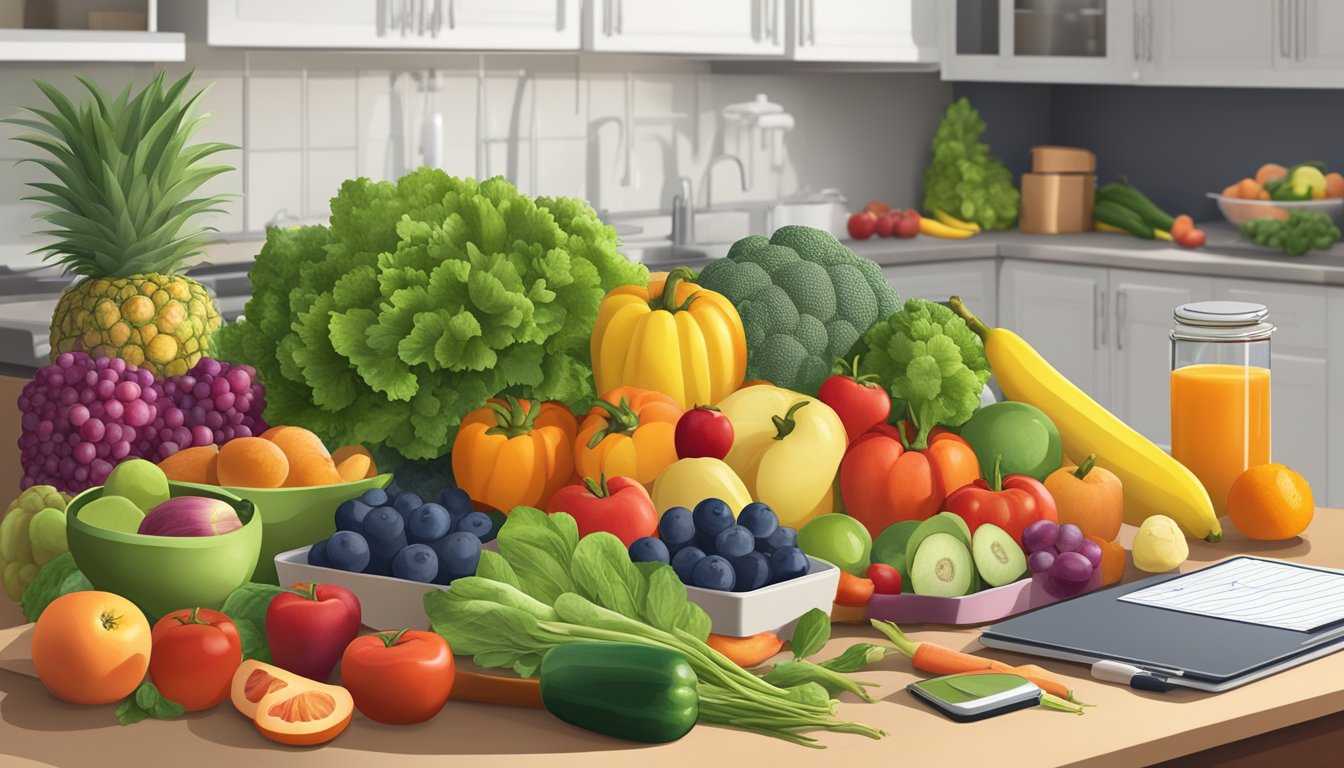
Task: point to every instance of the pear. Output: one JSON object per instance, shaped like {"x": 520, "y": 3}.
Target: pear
{"x": 140, "y": 481}
{"x": 1159, "y": 545}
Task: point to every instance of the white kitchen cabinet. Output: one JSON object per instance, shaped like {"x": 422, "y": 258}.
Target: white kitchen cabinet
{"x": 974, "y": 281}
{"x": 890, "y": 31}
{"x": 396, "y": 24}
{"x": 1299, "y": 384}
{"x": 1317, "y": 56}
{"x": 1046, "y": 41}
{"x": 700, "y": 27}
{"x": 1143, "y": 303}
{"x": 1209, "y": 42}
{"x": 1060, "y": 310}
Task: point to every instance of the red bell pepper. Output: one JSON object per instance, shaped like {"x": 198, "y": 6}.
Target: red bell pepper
{"x": 860, "y": 404}
{"x": 883, "y": 481}
{"x": 619, "y": 505}
{"x": 309, "y": 628}
{"x": 1011, "y": 502}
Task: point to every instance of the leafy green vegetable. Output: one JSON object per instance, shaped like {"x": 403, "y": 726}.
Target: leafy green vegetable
{"x": 611, "y": 600}
{"x": 791, "y": 672}
{"x": 859, "y": 656}
{"x": 59, "y": 577}
{"x": 963, "y": 179}
{"x": 246, "y": 606}
{"x": 805, "y": 300}
{"x": 421, "y": 300}
{"x": 927, "y": 356}
{"x": 147, "y": 702}
{"x": 811, "y": 633}
{"x": 1302, "y": 232}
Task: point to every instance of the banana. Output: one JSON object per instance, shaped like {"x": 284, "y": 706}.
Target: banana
{"x": 1154, "y": 483}
{"x": 954, "y": 222}
{"x": 928, "y": 226}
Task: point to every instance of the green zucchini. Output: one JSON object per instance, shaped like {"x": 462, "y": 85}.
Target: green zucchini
{"x": 1128, "y": 196}
{"x": 1108, "y": 212}
{"x": 625, "y": 690}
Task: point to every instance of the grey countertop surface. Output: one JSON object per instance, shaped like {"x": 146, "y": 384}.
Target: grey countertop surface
{"x": 28, "y": 299}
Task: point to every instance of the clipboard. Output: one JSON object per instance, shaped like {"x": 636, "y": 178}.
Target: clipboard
{"x": 1121, "y": 628}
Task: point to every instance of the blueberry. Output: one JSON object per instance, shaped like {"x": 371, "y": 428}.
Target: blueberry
{"x": 752, "y": 571}
{"x": 317, "y": 555}
{"x": 350, "y": 515}
{"x": 478, "y": 524}
{"x": 734, "y": 541}
{"x": 787, "y": 563}
{"x": 456, "y": 501}
{"x": 458, "y": 554}
{"x": 374, "y": 497}
{"x": 649, "y": 550}
{"x": 497, "y": 519}
{"x": 704, "y": 541}
{"x": 684, "y": 562}
{"x": 758, "y": 518}
{"x": 393, "y": 490}
{"x": 712, "y": 516}
{"x": 386, "y": 533}
{"x": 348, "y": 551}
{"x": 416, "y": 562}
{"x": 407, "y": 502}
{"x": 676, "y": 528}
{"x": 714, "y": 572}
{"x": 429, "y": 522}
{"x": 781, "y": 538}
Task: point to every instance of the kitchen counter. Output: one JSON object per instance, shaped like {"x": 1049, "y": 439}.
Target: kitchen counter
{"x": 1285, "y": 719}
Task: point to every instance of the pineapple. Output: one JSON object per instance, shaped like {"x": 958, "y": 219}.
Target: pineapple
{"x": 121, "y": 219}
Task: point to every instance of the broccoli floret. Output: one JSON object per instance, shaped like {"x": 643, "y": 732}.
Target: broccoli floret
{"x": 805, "y": 300}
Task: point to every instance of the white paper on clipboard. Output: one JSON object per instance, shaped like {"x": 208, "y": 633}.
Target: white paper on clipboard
{"x": 1269, "y": 593}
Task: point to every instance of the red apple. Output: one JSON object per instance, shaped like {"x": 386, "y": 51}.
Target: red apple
{"x": 886, "y": 225}
{"x": 908, "y": 224}
{"x": 878, "y": 207}
{"x": 862, "y": 225}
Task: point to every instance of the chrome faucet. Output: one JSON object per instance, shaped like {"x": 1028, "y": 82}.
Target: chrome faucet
{"x": 709, "y": 175}
{"x": 683, "y": 213}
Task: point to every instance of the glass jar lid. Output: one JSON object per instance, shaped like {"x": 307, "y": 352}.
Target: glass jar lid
{"x": 1222, "y": 321}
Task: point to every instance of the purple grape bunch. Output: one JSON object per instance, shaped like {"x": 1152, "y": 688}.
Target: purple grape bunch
{"x": 80, "y": 417}
{"x": 213, "y": 402}
{"x": 1061, "y": 552}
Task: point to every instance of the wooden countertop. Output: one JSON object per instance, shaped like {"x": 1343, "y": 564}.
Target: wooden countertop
{"x": 1125, "y": 728}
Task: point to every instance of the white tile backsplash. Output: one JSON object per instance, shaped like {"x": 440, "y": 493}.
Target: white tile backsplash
{"x": 332, "y": 99}
{"x": 326, "y": 169}
{"x": 274, "y": 183}
{"x": 275, "y": 111}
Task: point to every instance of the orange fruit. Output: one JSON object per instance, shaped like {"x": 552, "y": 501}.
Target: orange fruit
{"x": 91, "y": 647}
{"x": 1112, "y": 560}
{"x": 295, "y": 440}
{"x": 354, "y": 462}
{"x": 1334, "y": 185}
{"x": 251, "y": 462}
{"x": 1269, "y": 172}
{"x": 1270, "y": 502}
{"x": 193, "y": 465}
{"x": 310, "y": 462}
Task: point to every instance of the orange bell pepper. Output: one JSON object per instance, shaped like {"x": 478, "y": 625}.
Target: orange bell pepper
{"x": 629, "y": 433}
{"x": 512, "y": 452}
{"x": 883, "y": 481}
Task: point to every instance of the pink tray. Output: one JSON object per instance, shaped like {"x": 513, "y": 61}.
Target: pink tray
{"x": 979, "y": 608}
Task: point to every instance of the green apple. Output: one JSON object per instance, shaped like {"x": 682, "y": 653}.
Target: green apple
{"x": 140, "y": 481}
{"x": 113, "y": 513}
{"x": 1020, "y": 436}
{"x": 838, "y": 539}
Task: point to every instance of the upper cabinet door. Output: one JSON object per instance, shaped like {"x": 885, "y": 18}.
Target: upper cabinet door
{"x": 704, "y": 27}
{"x": 894, "y": 31}
{"x": 1318, "y": 50}
{"x": 396, "y": 24}
{"x": 1047, "y": 41}
{"x": 1210, "y": 42}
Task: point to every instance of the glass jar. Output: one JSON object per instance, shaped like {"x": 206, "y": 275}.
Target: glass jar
{"x": 1220, "y": 411}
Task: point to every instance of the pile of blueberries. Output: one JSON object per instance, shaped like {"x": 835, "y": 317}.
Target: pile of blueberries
{"x": 709, "y": 549}
{"x": 394, "y": 532}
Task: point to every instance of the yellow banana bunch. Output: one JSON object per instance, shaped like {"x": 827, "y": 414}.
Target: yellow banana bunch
{"x": 932, "y": 228}
{"x": 953, "y": 221}
{"x": 1154, "y": 483}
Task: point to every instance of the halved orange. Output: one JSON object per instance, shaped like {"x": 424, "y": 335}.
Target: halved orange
{"x": 288, "y": 708}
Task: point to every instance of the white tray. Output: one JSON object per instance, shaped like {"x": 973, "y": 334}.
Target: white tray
{"x": 384, "y": 601}
{"x": 774, "y": 608}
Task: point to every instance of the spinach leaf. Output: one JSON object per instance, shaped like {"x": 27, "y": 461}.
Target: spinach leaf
{"x": 603, "y": 573}
{"x": 147, "y": 702}
{"x": 811, "y": 633}
{"x": 246, "y": 606}
{"x": 253, "y": 641}
{"x": 59, "y": 577}
{"x": 539, "y": 554}
{"x": 667, "y": 607}
{"x": 859, "y": 656}
{"x": 493, "y": 566}
{"x": 793, "y": 672}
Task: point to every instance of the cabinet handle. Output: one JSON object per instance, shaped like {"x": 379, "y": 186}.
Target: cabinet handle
{"x": 758, "y": 26}
{"x": 1149, "y": 25}
{"x": 1302, "y": 25}
{"x": 774, "y": 21}
{"x": 812, "y": 21}
{"x": 1121, "y": 310}
{"x": 606, "y": 18}
{"x": 620, "y": 16}
{"x": 1138, "y": 22}
{"x": 1283, "y": 29}
{"x": 1098, "y": 318}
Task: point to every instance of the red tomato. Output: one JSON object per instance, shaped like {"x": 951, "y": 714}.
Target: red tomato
{"x": 195, "y": 653}
{"x": 862, "y": 225}
{"x": 1012, "y": 502}
{"x": 860, "y": 404}
{"x": 617, "y": 505}
{"x": 886, "y": 580}
{"x": 703, "y": 431}
{"x": 398, "y": 677}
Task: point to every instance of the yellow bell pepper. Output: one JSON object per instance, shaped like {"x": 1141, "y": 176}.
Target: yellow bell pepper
{"x": 688, "y": 482}
{"x": 786, "y": 448}
{"x": 672, "y": 337}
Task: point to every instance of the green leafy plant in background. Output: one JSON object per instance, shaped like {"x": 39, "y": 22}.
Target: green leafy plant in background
{"x": 930, "y": 360}
{"x": 59, "y": 577}
{"x": 963, "y": 179}
{"x": 421, "y": 300}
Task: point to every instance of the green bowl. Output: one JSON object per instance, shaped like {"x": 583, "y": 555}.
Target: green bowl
{"x": 161, "y": 574}
{"x": 296, "y": 517}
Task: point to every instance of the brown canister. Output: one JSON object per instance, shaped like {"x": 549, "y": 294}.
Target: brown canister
{"x": 1058, "y": 194}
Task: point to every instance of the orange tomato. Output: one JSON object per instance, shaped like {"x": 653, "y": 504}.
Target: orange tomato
{"x": 629, "y": 433}
{"x": 1270, "y": 502}
{"x": 91, "y": 647}
{"x": 514, "y": 452}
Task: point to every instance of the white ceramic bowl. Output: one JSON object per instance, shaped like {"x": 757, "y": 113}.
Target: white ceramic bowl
{"x": 1238, "y": 211}
{"x": 384, "y": 601}
{"x": 774, "y": 608}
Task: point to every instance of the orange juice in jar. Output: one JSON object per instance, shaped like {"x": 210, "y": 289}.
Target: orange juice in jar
{"x": 1220, "y": 406}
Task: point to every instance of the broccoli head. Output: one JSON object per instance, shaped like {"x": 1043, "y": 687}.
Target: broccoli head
{"x": 805, "y": 300}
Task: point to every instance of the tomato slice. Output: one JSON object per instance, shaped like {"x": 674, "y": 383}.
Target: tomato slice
{"x": 288, "y": 708}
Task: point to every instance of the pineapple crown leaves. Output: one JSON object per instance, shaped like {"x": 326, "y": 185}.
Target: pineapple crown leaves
{"x": 125, "y": 175}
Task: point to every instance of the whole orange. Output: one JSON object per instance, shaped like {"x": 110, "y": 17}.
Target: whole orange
{"x": 1270, "y": 502}
{"x": 91, "y": 647}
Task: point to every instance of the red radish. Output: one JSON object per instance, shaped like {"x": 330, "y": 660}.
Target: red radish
{"x": 886, "y": 580}
{"x": 862, "y": 225}
{"x": 703, "y": 431}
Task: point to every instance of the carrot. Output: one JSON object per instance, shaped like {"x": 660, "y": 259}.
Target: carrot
{"x": 496, "y": 689}
{"x": 1043, "y": 679}
{"x": 746, "y": 652}
{"x": 1183, "y": 224}
{"x": 853, "y": 590}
